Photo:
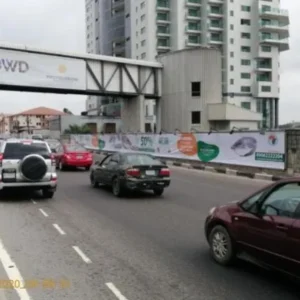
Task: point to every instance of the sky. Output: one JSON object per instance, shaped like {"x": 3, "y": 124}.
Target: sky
{"x": 60, "y": 25}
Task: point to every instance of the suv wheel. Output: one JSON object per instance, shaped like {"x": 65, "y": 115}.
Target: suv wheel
{"x": 48, "y": 194}
{"x": 221, "y": 245}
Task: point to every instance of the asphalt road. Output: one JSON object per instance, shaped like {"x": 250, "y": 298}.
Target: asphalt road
{"x": 87, "y": 244}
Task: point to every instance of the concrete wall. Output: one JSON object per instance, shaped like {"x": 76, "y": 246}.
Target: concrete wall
{"x": 181, "y": 68}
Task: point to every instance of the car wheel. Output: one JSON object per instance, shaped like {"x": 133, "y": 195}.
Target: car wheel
{"x": 48, "y": 194}
{"x": 94, "y": 183}
{"x": 116, "y": 187}
{"x": 158, "y": 191}
{"x": 221, "y": 245}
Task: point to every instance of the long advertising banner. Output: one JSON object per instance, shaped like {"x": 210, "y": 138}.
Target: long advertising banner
{"x": 239, "y": 148}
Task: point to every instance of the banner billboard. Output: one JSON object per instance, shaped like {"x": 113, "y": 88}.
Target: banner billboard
{"x": 239, "y": 148}
{"x": 39, "y": 70}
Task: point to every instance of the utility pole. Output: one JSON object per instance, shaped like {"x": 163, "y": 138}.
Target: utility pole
{"x": 28, "y": 126}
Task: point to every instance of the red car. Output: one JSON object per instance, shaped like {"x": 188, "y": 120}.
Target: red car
{"x": 263, "y": 228}
{"x": 73, "y": 155}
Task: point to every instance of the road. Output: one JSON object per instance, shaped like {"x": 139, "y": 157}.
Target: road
{"x": 92, "y": 245}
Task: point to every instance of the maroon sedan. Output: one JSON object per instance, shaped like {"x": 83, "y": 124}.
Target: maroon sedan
{"x": 263, "y": 228}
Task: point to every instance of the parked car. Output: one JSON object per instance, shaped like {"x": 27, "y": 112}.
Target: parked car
{"x": 263, "y": 228}
{"x": 131, "y": 171}
{"x": 73, "y": 155}
{"x": 27, "y": 164}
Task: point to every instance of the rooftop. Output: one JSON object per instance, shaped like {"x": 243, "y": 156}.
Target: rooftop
{"x": 40, "y": 111}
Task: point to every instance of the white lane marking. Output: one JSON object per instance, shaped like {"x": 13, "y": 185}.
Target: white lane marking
{"x": 33, "y": 201}
{"x": 13, "y": 272}
{"x": 116, "y": 292}
{"x": 44, "y": 213}
{"x": 57, "y": 227}
{"x": 81, "y": 254}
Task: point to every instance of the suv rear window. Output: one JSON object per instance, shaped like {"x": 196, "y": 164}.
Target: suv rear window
{"x": 20, "y": 150}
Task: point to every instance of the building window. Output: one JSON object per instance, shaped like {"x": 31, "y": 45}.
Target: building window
{"x": 231, "y": 54}
{"x": 143, "y": 56}
{"x": 231, "y": 27}
{"x": 231, "y": 81}
{"x": 266, "y": 48}
{"x": 143, "y": 43}
{"x": 196, "y": 117}
{"x": 147, "y": 111}
{"x": 245, "y": 89}
{"x": 245, "y": 62}
{"x": 231, "y": 13}
{"x": 231, "y": 41}
{"x": 143, "y": 30}
{"x": 245, "y": 22}
{"x": 143, "y": 17}
{"x": 196, "y": 89}
{"x": 246, "y": 105}
{"x": 246, "y": 35}
{"x": 246, "y": 8}
{"x": 245, "y": 75}
{"x": 245, "y": 49}
{"x": 265, "y": 88}
{"x": 231, "y": 68}
{"x": 143, "y": 4}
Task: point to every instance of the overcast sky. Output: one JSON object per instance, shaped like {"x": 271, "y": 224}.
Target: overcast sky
{"x": 59, "y": 25}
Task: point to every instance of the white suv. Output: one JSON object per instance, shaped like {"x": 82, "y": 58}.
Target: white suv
{"x": 27, "y": 164}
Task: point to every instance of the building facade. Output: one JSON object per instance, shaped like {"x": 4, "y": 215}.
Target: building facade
{"x": 251, "y": 34}
{"x": 192, "y": 97}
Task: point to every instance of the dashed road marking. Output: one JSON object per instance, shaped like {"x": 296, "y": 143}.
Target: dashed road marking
{"x": 115, "y": 291}
{"x": 44, "y": 213}
{"x": 81, "y": 254}
{"x": 57, "y": 227}
{"x": 12, "y": 272}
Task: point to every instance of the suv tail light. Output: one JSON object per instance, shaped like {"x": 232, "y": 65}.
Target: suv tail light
{"x": 53, "y": 177}
{"x": 53, "y": 161}
{"x": 133, "y": 172}
{"x": 1, "y": 159}
{"x": 165, "y": 172}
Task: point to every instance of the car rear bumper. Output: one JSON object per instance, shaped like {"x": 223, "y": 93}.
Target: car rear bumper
{"x": 78, "y": 163}
{"x": 137, "y": 184}
{"x": 29, "y": 185}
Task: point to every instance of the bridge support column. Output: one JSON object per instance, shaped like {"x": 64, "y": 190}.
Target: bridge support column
{"x": 133, "y": 114}
{"x": 158, "y": 114}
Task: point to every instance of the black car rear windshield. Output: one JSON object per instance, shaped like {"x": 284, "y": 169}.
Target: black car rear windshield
{"x": 75, "y": 148}
{"x": 20, "y": 150}
{"x": 140, "y": 159}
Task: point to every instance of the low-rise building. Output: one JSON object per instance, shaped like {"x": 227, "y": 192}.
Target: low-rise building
{"x": 192, "y": 94}
{"x": 32, "y": 120}
{"x": 4, "y": 124}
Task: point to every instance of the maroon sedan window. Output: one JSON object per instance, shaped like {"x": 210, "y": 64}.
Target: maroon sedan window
{"x": 75, "y": 148}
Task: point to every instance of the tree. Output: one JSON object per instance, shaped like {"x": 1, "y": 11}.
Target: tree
{"x": 67, "y": 111}
{"x": 78, "y": 129}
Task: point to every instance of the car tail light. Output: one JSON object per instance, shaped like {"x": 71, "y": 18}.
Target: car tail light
{"x": 90, "y": 156}
{"x": 53, "y": 177}
{"x": 133, "y": 172}
{"x": 66, "y": 157}
{"x": 164, "y": 172}
{"x": 53, "y": 162}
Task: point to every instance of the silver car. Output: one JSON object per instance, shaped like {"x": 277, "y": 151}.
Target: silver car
{"x": 27, "y": 164}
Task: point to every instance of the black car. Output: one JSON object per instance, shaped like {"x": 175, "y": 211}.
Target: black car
{"x": 131, "y": 171}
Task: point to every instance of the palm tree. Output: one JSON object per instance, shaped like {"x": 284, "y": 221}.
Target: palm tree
{"x": 78, "y": 129}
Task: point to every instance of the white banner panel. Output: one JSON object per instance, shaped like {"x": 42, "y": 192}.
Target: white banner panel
{"x": 39, "y": 70}
{"x": 240, "y": 148}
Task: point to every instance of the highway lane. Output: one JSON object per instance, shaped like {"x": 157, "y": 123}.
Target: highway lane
{"x": 148, "y": 247}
